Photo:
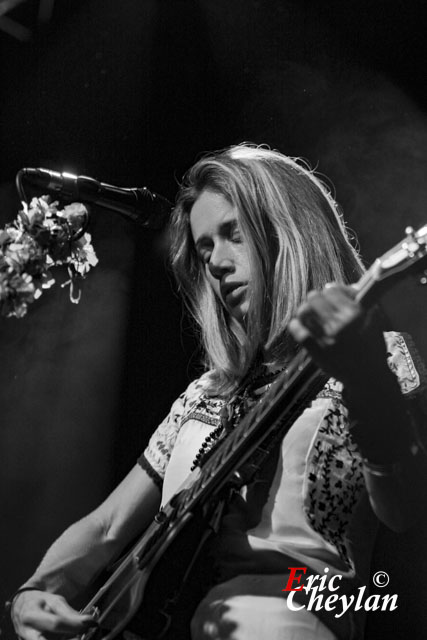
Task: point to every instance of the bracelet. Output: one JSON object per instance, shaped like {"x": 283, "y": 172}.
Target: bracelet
{"x": 381, "y": 470}
{"x": 9, "y": 603}
{"x": 386, "y": 469}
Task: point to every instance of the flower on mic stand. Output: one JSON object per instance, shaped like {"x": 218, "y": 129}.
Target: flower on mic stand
{"x": 42, "y": 237}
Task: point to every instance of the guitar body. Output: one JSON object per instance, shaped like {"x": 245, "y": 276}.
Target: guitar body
{"x": 157, "y": 601}
{"x": 182, "y": 577}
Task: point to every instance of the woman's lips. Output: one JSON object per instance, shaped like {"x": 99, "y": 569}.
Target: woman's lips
{"x": 232, "y": 296}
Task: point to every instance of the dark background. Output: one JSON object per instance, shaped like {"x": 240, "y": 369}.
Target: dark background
{"x": 131, "y": 93}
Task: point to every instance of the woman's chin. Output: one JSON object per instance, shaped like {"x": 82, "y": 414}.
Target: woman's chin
{"x": 239, "y": 312}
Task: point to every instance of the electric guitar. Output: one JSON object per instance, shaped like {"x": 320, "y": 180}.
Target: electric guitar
{"x": 149, "y": 582}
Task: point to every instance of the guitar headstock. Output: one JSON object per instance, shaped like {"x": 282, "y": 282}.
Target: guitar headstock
{"x": 408, "y": 256}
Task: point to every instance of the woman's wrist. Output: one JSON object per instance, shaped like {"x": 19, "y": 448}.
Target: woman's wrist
{"x": 11, "y": 601}
{"x": 405, "y": 458}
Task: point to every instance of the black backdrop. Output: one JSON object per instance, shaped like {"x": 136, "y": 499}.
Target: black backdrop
{"x": 131, "y": 93}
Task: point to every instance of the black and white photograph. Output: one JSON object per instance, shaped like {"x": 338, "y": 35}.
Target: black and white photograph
{"x": 213, "y": 320}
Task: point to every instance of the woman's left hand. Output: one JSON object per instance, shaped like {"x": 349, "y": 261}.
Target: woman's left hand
{"x": 342, "y": 337}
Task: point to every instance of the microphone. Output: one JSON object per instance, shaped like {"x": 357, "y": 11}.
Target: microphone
{"x": 139, "y": 204}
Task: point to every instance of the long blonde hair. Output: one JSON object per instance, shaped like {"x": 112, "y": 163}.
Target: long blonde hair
{"x": 296, "y": 242}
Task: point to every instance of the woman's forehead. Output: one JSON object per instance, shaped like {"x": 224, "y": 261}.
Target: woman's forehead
{"x": 210, "y": 211}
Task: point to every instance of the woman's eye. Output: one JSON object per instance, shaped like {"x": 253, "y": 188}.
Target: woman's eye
{"x": 236, "y": 238}
{"x": 235, "y": 234}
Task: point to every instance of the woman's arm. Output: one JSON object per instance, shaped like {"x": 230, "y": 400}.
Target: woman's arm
{"x": 78, "y": 556}
{"x": 349, "y": 345}
{"x": 398, "y": 492}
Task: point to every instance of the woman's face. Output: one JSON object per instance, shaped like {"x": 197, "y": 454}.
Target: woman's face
{"x": 222, "y": 250}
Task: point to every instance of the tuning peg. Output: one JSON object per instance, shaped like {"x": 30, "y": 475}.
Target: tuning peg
{"x": 411, "y": 244}
{"x": 423, "y": 278}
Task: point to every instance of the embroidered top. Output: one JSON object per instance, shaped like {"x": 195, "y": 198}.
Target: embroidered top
{"x": 310, "y": 507}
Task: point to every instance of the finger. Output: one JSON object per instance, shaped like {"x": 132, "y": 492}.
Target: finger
{"x": 31, "y": 634}
{"x": 49, "y": 622}
{"x": 47, "y": 614}
{"x": 314, "y": 345}
{"x": 327, "y": 313}
{"x": 68, "y": 614}
{"x": 312, "y": 321}
{"x": 298, "y": 331}
{"x": 332, "y": 298}
{"x": 314, "y": 315}
{"x": 61, "y": 607}
{"x": 306, "y": 340}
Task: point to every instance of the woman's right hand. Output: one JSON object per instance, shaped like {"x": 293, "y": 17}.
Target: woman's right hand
{"x": 39, "y": 615}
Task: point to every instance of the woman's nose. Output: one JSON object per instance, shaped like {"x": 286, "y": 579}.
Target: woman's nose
{"x": 221, "y": 261}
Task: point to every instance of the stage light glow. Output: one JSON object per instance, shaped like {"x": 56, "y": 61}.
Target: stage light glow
{"x": 17, "y": 30}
